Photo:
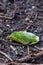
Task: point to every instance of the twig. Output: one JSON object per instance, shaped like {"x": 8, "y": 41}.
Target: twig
{"x": 12, "y": 48}
{"x": 34, "y": 49}
{"x": 6, "y": 55}
{"x": 1, "y": 58}
{"x": 23, "y": 59}
{"x": 28, "y": 26}
{"x": 30, "y": 56}
{"x": 28, "y": 49}
{"x": 3, "y": 64}
{"x": 5, "y": 17}
{"x": 37, "y": 48}
{"x": 2, "y": 14}
{"x": 39, "y": 54}
{"x": 12, "y": 62}
{"x": 40, "y": 49}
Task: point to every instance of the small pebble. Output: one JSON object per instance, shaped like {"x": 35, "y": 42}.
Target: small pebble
{"x": 33, "y": 60}
{"x": 30, "y": 21}
{"x": 39, "y": 29}
{"x": 27, "y": 19}
{"x": 30, "y": 9}
{"x": 33, "y": 7}
{"x": 8, "y": 25}
{"x": 35, "y": 31}
{"x": 11, "y": 30}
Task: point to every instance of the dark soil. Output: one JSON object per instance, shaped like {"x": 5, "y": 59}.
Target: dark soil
{"x": 16, "y": 15}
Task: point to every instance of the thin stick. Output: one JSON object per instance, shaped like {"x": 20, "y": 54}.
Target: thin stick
{"x": 30, "y": 56}
{"x": 28, "y": 49}
{"x": 3, "y": 64}
{"x": 5, "y": 17}
{"x": 1, "y": 14}
{"x": 28, "y": 26}
{"x": 38, "y": 54}
{"x": 6, "y": 55}
{"x": 37, "y": 48}
{"x": 23, "y": 59}
{"x": 1, "y": 58}
{"x": 12, "y": 62}
{"x": 12, "y": 48}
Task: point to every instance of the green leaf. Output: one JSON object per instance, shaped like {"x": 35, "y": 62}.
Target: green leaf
{"x": 23, "y": 37}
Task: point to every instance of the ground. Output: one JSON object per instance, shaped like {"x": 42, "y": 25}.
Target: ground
{"x": 17, "y": 15}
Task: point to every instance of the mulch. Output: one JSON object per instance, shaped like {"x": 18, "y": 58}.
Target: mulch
{"x": 17, "y": 15}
